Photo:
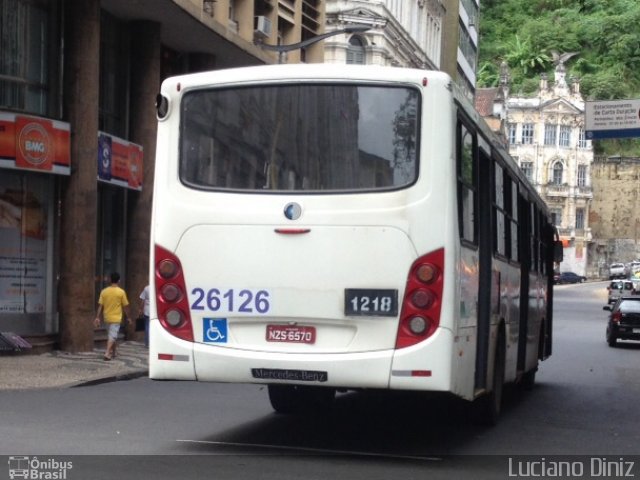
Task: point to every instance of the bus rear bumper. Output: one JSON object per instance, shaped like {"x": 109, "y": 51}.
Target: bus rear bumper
{"x": 424, "y": 367}
{"x": 352, "y": 370}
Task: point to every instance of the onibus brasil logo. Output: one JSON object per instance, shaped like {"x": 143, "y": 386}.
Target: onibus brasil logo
{"x": 38, "y": 469}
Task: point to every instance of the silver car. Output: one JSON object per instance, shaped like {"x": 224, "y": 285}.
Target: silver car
{"x": 619, "y": 288}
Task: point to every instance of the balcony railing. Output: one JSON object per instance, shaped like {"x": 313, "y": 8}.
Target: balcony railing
{"x": 584, "y": 191}
{"x": 555, "y": 190}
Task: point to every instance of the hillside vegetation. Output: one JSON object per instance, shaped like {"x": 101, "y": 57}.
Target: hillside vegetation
{"x": 605, "y": 34}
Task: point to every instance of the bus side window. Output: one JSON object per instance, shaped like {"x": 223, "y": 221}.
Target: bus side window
{"x": 467, "y": 182}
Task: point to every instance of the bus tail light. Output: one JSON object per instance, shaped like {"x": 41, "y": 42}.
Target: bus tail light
{"x": 420, "y": 314}
{"x": 171, "y": 298}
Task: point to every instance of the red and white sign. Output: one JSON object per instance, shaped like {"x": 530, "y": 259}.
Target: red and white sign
{"x": 34, "y": 143}
{"x": 119, "y": 161}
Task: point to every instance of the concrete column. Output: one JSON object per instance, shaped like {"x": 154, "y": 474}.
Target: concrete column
{"x": 145, "y": 85}
{"x": 77, "y": 302}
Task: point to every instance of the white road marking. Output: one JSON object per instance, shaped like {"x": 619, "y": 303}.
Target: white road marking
{"x": 312, "y": 450}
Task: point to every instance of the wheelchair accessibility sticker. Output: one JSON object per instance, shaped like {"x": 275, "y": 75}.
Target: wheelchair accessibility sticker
{"x": 214, "y": 330}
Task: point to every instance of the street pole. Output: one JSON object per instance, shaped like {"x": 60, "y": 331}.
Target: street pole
{"x": 282, "y": 49}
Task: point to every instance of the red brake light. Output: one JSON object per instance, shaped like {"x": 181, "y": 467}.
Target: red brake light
{"x": 420, "y": 315}
{"x": 168, "y": 268}
{"x": 171, "y": 298}
{"x": 616, "y": 317}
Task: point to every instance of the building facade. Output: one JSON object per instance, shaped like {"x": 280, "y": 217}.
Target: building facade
{"x": 78, "y": 79}
{"x": 404, "y": 33}
{"x": 460, "y": 43}
{"x": 431, "y": 34}
{"x": 546, "y": 136}
{"x": 614, "y": 225}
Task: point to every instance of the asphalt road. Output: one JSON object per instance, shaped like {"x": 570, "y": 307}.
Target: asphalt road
{"x": 579, "y": 411}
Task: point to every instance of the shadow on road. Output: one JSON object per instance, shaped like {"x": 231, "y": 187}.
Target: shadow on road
{"x": 402, "y": 424}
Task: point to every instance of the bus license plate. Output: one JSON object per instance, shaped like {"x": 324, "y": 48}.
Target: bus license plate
{"x": 371, "y": 302}
{"x": 291, "y": 334}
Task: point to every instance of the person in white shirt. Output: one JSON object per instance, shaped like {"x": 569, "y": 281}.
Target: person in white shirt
{"x": 144, "y": 311}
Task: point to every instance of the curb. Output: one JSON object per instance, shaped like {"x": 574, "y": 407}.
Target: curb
{"x": 110, "y": 379}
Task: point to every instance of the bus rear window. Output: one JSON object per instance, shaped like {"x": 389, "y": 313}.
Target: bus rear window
{"x": 300, "y": 137}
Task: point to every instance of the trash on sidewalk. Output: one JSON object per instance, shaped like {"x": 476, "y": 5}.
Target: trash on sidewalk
{"x": 10, "y": 342}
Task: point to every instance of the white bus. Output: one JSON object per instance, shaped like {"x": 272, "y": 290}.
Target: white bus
{"x": 333, "y": 227}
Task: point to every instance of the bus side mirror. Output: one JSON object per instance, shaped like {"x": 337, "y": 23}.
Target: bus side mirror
{"x": 558, "y": 251}
{"x": 162, "y": 106}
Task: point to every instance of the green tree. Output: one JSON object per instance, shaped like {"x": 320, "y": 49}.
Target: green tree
{"x": 606, "y": 35}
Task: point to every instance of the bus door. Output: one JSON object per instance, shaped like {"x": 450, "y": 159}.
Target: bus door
{"x": 526, "y": 313}
{"x": 485, "y": 253}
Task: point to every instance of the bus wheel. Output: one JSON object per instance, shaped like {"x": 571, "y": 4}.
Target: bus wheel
{"x": 295, "y": 398}
{"x": 529, "y": 378}
{"x": 486, "y": 409}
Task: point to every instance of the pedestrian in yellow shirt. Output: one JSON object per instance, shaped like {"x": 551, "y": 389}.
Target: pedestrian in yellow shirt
{"x": 113, "y": 301}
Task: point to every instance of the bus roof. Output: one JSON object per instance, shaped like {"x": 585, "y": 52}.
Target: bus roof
{"x": 309, "y": 71}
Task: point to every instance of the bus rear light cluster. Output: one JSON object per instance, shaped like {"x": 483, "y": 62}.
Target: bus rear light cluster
{"x": 171, "y": 298}
{"x": 420, "y": 314}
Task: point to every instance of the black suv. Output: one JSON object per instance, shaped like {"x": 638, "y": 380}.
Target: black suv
{"x": 624, "y": 321}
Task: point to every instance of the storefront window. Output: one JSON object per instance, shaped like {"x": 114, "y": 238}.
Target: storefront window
{"x": 26, "y": 243}
{"x": 111, "y": 234}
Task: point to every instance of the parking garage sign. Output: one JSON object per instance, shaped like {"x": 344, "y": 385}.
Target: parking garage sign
{"x": 612, "y": 119}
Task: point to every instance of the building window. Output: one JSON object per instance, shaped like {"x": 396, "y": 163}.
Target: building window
{"x": 579, "y": 218}
{"x": 467, "y": 46}
{"x": 512, "y": 133}
{"x": 556, "y": 216}
{"x": 565, "y": 135}
{"x": 550, "y": 134}
{"x": 28, "y": 46}
{"x": 527, "y": 133}
{"x": 582, "y": 139}
{"x": 557, "y": 173}
{"x": 114, "y": 76}
{"x": 527, "y": 169}
{"x": 355, "y": 51}
{"x": 582, "y": 175}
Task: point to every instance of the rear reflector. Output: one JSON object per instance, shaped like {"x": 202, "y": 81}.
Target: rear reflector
{"x": 173, "y": 358}
{"x": 411, "y": 373}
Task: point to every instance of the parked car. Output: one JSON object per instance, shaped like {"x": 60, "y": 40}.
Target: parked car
{"x": 617, "y": 270}
{"x": 619, "y": 288}
{"x": 634, "y": 267}
{"x": 624, "y": 320}
{"x": 570, "y": 277}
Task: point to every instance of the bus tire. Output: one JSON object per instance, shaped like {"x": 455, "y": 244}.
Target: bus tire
{"x": 287, "y": 399}
{"x": 487, "y": 408}
{"x": 529, "y": 378}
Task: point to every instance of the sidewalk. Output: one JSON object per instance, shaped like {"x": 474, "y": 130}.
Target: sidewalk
{"x": 63, "y": 369}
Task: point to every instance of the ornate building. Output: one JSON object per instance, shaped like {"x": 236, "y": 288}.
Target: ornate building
{"x": 406, "y": 34}
{"x": 546, "y": 135}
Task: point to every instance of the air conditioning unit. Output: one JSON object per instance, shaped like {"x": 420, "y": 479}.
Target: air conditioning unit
{"x": 262, "y": 26}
